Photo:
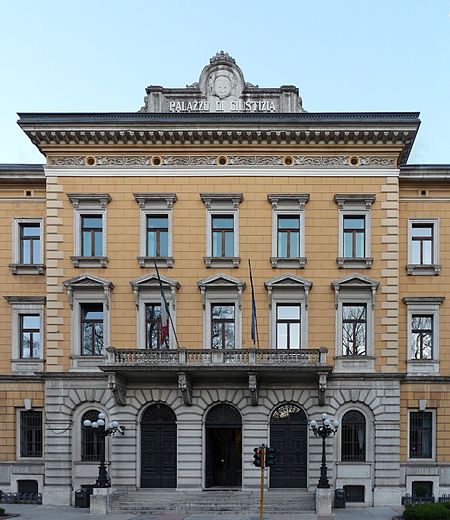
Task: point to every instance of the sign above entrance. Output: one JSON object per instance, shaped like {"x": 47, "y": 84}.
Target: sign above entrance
{"x": 222, "y": 88}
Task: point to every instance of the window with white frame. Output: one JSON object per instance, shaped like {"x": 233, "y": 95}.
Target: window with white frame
{"x": 156, "y": 216}
{"x": 28, "y": 246}
{"x": 151, "y": 332}
{"x": 354, "y": 230}
{"x": 222, "y": 306}
{"x": 421, "y": 434}
{"x": 90, "y": 229}
{"x": 355, "y": 323}
{"x": 288, "y": 229}
{"x": 423, "y": 247}
{"x": 423, "y": 333}
{"x": 222, "y": 229}
{"x": 288, "y": 306}
{"x": 89, "y": 298}
{"x": 27, "y": 332}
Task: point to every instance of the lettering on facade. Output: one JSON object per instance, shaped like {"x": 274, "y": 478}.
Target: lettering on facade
{"x": 219, "y": 106}
{"x": 221, "y": 88}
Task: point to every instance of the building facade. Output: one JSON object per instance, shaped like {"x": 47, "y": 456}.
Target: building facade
{"x": 349, "y": 264}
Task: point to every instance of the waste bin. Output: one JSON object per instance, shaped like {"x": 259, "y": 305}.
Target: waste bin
{"x": 339, "y": 498}
{"x": 81, "y": 498}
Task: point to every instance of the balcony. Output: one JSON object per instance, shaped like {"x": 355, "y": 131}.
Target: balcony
{"x": 252, "y": 365}
{"x": 189, "y": 358}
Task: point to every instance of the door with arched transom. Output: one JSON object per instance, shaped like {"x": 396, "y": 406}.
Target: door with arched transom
{"x": 158, "y": 447}
{"x": 288, "y": 435}
{"x": 223, "y": 447}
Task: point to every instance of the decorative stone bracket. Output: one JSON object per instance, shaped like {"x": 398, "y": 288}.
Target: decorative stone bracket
{"x": 185, "y": 386}
{"x": 253, "y": 387}
{"x": 118, "y": 387}
{"x": 322, "y": 387}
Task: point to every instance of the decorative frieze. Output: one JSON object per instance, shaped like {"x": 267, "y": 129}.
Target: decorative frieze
{"x": 223, "y": 161}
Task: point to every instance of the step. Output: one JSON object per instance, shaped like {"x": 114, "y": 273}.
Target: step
{"x": 221, "y": 501}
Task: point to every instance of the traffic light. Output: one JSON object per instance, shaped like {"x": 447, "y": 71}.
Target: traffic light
{"x": 270, "y": 457}
{"x": 257, "y": 457}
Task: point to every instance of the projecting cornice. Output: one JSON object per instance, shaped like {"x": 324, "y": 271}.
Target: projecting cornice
{"x": 57, "y": 131}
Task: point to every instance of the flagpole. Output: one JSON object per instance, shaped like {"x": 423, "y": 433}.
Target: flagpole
{"x": 254, "y": 316}
{"x": 165, "y": 304}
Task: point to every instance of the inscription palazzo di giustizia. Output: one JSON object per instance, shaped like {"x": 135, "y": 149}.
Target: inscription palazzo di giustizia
{"x": 222, "y": 88}
{"x": 223, "y": 106}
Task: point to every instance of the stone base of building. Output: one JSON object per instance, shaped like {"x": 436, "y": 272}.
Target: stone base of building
{"x": 57, "y": 496}
{"x": 387, "y": 496}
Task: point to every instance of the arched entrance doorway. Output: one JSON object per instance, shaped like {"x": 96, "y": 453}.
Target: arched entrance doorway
{"x": 223, "y": 447}
{"x": 288, "y": 435}
{"x": 158, "y": 447}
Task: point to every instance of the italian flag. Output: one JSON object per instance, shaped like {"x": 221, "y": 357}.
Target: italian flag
{"x": 164, "y": 328}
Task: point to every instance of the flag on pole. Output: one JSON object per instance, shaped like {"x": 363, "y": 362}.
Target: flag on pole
{"x": 165, "y": 316}
{"x": 164, "y": 327}
{"x": 255, "y": 337}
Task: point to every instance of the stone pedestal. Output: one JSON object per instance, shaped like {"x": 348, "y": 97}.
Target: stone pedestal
{"x": 324, "y": 500}
{"x": 100, "y": 501}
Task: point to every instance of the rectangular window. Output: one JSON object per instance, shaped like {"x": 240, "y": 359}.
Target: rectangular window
{"x": 30, "y": 433}
{"x": 422, "y": 336}
{"x": 153, "y": 326}
{"x": 421, "y": 435}
{"x": 222, "y": 326}
{"x": 288, "y": 232}
{"x": 354, "y": 236}
{"x": 157, "y": 235}
{"x": 288, "y": 326}
{"x": 354, "y": 330}
{"x": 30, "y": 243}
{"x": 422, "y": 243}
{"x": 91, "y": 329}
{"x": 222, "y": 235}
{"x": 30, "y": 336}
{"x": 91, "y": 235}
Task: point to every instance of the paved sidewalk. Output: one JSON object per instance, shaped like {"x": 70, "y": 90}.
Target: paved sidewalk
{"x": 32, "y": 512}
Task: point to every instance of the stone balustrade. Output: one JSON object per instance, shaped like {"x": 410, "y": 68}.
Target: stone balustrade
{"x": 185, "y": 358}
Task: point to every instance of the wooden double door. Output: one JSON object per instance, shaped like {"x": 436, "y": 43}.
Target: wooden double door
{"x": 288, "y": 435}
{"x": 159, "y": 448}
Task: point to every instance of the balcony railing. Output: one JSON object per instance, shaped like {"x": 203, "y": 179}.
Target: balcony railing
{"x": 247, "y": 358}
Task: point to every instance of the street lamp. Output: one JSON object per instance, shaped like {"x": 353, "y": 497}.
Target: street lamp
{"x": 103, "y": 430}
{"x": 325, "y": 430}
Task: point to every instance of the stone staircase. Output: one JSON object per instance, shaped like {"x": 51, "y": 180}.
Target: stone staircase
{"x": 279, "y": 501}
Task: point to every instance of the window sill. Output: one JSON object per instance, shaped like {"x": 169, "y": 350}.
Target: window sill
{"x": 161, "y": 261}
{"x": 421, "y": 269}
{"x": 354, "y": 364}
{"x": 89, "y": 261}
{"x": 298, "y": 262}
{"x": 222, "y": 261}
{"x": 82, "y": 363}
{"x": 27, "y": 268}
{"x": 352, "y": 263}
{"x": 422, "y": 366}
{"x": 27, "y": 365}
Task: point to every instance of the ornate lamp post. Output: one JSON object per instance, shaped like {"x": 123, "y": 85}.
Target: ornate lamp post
{"x": 325, "y": 430}
{"x": 102, "y": 430}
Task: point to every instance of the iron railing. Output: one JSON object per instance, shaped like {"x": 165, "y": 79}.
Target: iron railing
{"x": 204, "y": 358}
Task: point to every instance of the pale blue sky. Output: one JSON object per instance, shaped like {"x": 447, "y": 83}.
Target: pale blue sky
{"x": 344, "y": 55}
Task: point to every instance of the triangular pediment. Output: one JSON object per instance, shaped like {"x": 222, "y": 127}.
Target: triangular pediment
{"x": 88, "y": 281}
{"x": 288, "y": 281}
{"x": 151, "y": 281}
{"x": 221, "y": 280}
{"x": 355, "y": 281}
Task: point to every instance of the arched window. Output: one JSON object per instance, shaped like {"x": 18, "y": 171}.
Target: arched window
{"x": 91, "y": 444}
{"x": 353, "y": 434}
